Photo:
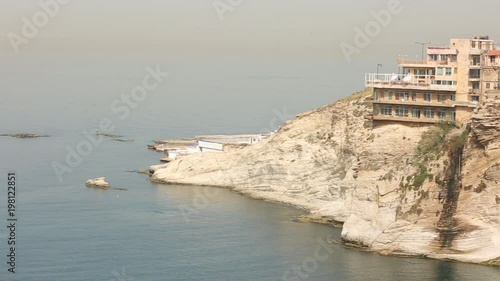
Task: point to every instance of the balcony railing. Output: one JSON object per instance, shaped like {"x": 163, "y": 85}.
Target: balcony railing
{"x": 444, "y": 103}
{"x": 433, "y": 62}
{"x": 403, "y": 61}
{"x": 380, "y": 117}
{"x": 474, "y": 91}
{"x": 410, "y": 81}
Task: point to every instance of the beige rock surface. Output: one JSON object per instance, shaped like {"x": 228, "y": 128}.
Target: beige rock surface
{"x": 98, "y": 183}
{"x": 335, "y": 163}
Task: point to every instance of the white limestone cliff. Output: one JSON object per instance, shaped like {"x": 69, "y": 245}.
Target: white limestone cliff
{"x": 443, "y": 203}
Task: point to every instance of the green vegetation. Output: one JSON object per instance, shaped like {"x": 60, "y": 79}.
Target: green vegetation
{"x": 433, "y": 140}
{"x": 420, "y": 176}
{"x": 389, "y": 175}
{"x": 433, "y": 145}
{"x": 458, "y": 141}
{"x": 480, "y": 188}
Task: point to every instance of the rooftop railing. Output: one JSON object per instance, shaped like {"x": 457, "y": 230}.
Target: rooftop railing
{"x": 419, "y": 82}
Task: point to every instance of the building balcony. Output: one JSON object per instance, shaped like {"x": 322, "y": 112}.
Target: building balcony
{"x": 421, "y": 63}
{"x": 447, "y": 103}
{"x": 422, "y": 103}
{"x": 408, "y": 81}
{"x": 409, "y": 119}
{"x": 474, "y": 91}
{"x": 491, "y": 65}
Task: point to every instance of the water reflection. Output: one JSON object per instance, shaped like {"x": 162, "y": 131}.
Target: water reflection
{"x": 261, "y": 229}
{"x": 445, "y": 271}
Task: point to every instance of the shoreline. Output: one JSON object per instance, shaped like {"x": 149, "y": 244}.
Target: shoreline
{"x": 342, "y": 170}
{"x": 329, "y": 221}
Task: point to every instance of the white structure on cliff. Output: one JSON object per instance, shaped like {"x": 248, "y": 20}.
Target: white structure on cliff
{"x": 216, "y": 143}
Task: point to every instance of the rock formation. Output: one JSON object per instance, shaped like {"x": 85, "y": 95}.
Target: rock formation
{"x": 98, "y": 183}
{"x": 398, "y": 189}
{"x": 23, "y": 136}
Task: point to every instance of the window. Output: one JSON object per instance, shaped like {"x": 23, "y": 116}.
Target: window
{"x": 453, "y": 58}
{"x": 475, "y": 85}
{"x": 439, "y": 71}
{"x": 453, "y": 115}
{"x": 414, "y": 96}
{"x": 448, "y": 71}
{"x": 429, "y": 113}
{"x": 420, "y": 73}
{"x": 475, "y": 98}
{"x": 492, "y": 59}
{"x": 403, "y": 96}
{"x": 488, "y": 86}
{"x": 415, "y": 112}
{"x": 475, "y": 73}
{"x": 376, "y": 95}
{"x": 433, "y": 57}
{"x": 428, "y": 97}
{"x": 441, "y": 97}
{"x": 387, "y": 110}
{"x": 444, "y": 57}
{"x": 442, "y": 114}
{"x": 402, "y": 111}
{"x": 453, "y": 97}
{"x": 390, "y": 95}
{"x": 476, "y": 60}
{"x": 444, "y": 82}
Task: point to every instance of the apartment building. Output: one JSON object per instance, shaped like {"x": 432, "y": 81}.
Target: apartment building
{"x": 447, "y": 85}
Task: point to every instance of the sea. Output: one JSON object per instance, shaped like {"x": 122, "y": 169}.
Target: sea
{"x": 143, "y": 231}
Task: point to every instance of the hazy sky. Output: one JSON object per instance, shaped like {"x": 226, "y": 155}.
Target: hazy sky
{"x": 307, "y": 28}
{"x": 285, "y": 49}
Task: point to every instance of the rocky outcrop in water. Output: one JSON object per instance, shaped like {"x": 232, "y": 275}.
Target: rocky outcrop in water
{"x": 397, "y": 189}
{"x": 98, "y": 183}
{"x": 23, "y": 136}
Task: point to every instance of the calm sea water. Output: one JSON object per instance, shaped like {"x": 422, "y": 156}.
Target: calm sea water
{"x": 69, "y": 232}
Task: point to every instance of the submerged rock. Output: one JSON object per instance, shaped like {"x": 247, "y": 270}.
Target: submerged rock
{"x": 143, "y": 171}
{"x": 123, "y": 140}
{"x": 99, "y": 133}
{"x": 24, "y": 136}
{"x": 98, "y": 183}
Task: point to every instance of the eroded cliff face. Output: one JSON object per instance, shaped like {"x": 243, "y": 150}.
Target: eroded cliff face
{"x": 398, "y": 189}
